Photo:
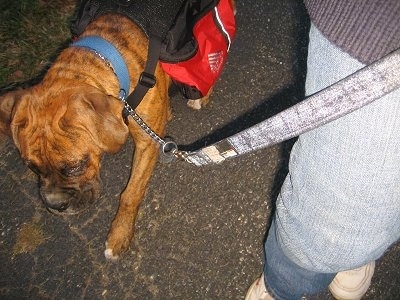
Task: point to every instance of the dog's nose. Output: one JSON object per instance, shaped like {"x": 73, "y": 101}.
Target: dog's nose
{"x": 57, "y": 201}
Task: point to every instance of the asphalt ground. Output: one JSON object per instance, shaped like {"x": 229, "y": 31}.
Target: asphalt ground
{"x": 200, "y": 231}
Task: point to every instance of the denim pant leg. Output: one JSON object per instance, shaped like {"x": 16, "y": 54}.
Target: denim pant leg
{"x": 286, "y": 280}
{"x": 339, "y": 207}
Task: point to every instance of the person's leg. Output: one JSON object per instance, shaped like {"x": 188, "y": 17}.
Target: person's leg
{"x": 284, "y": 278}
{"x": 339, "y": 206}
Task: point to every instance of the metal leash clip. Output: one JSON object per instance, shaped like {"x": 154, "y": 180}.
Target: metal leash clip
{"x": 168, "y": 150}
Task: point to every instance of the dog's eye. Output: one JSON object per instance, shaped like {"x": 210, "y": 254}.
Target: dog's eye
{"x": 76, "y": 168}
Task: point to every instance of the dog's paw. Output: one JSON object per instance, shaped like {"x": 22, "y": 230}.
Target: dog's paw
{"x": 108, "y": 253}
{"x": 117, "y": 243}
{"x": 194, "y": 104}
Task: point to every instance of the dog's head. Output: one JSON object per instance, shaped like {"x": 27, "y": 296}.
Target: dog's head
{"x": 61, "y": 134}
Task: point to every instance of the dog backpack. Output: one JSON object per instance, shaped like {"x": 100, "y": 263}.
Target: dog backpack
{"x": 190, "y": 38}
{"x": 210, "y": 31}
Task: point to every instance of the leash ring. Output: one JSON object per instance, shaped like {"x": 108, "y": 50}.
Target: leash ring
{"x": 169, "y": 148}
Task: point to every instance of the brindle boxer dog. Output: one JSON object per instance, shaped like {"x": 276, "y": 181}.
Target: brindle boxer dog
{"x": 64, "y": 124}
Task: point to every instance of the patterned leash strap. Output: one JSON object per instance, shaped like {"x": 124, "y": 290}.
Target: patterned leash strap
{"x": 347, "y": 95}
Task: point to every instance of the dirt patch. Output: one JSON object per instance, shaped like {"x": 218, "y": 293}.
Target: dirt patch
{"x": 29, "y": 237}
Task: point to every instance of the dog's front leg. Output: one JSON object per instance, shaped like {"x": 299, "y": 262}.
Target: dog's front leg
{"x": 122, "y": 228}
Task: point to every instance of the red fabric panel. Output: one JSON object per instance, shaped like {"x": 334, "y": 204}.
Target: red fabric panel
{"x": 204, "y": 68}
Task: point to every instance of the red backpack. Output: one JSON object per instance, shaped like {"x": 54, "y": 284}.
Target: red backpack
{"x": 213, "y": 32}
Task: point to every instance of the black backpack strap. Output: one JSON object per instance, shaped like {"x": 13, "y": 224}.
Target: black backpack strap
{"x": 147, "y": 80}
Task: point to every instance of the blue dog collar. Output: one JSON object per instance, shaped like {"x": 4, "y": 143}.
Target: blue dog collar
{"x": 107, "y": 51}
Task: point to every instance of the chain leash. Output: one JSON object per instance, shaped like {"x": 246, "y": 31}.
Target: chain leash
{"x": 169, "y": 149}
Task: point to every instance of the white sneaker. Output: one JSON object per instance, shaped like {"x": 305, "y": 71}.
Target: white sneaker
{"x": 258, "y": 291}
{"x": 352, "y": 284}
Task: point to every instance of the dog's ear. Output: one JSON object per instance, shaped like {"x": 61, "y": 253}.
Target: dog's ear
{"x": 105, "y": 114}
{"x": 7, "y": 103}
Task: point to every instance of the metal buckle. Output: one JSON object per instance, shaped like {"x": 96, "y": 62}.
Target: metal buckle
{"x": 122, "y": 94}
{"x": 148, "y": 80}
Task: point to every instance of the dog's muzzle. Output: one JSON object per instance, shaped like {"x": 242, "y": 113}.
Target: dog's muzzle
{"x": 68, "y": 200}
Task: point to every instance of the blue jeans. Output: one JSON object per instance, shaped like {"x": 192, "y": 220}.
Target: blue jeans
{"x": 339, "y": 207}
